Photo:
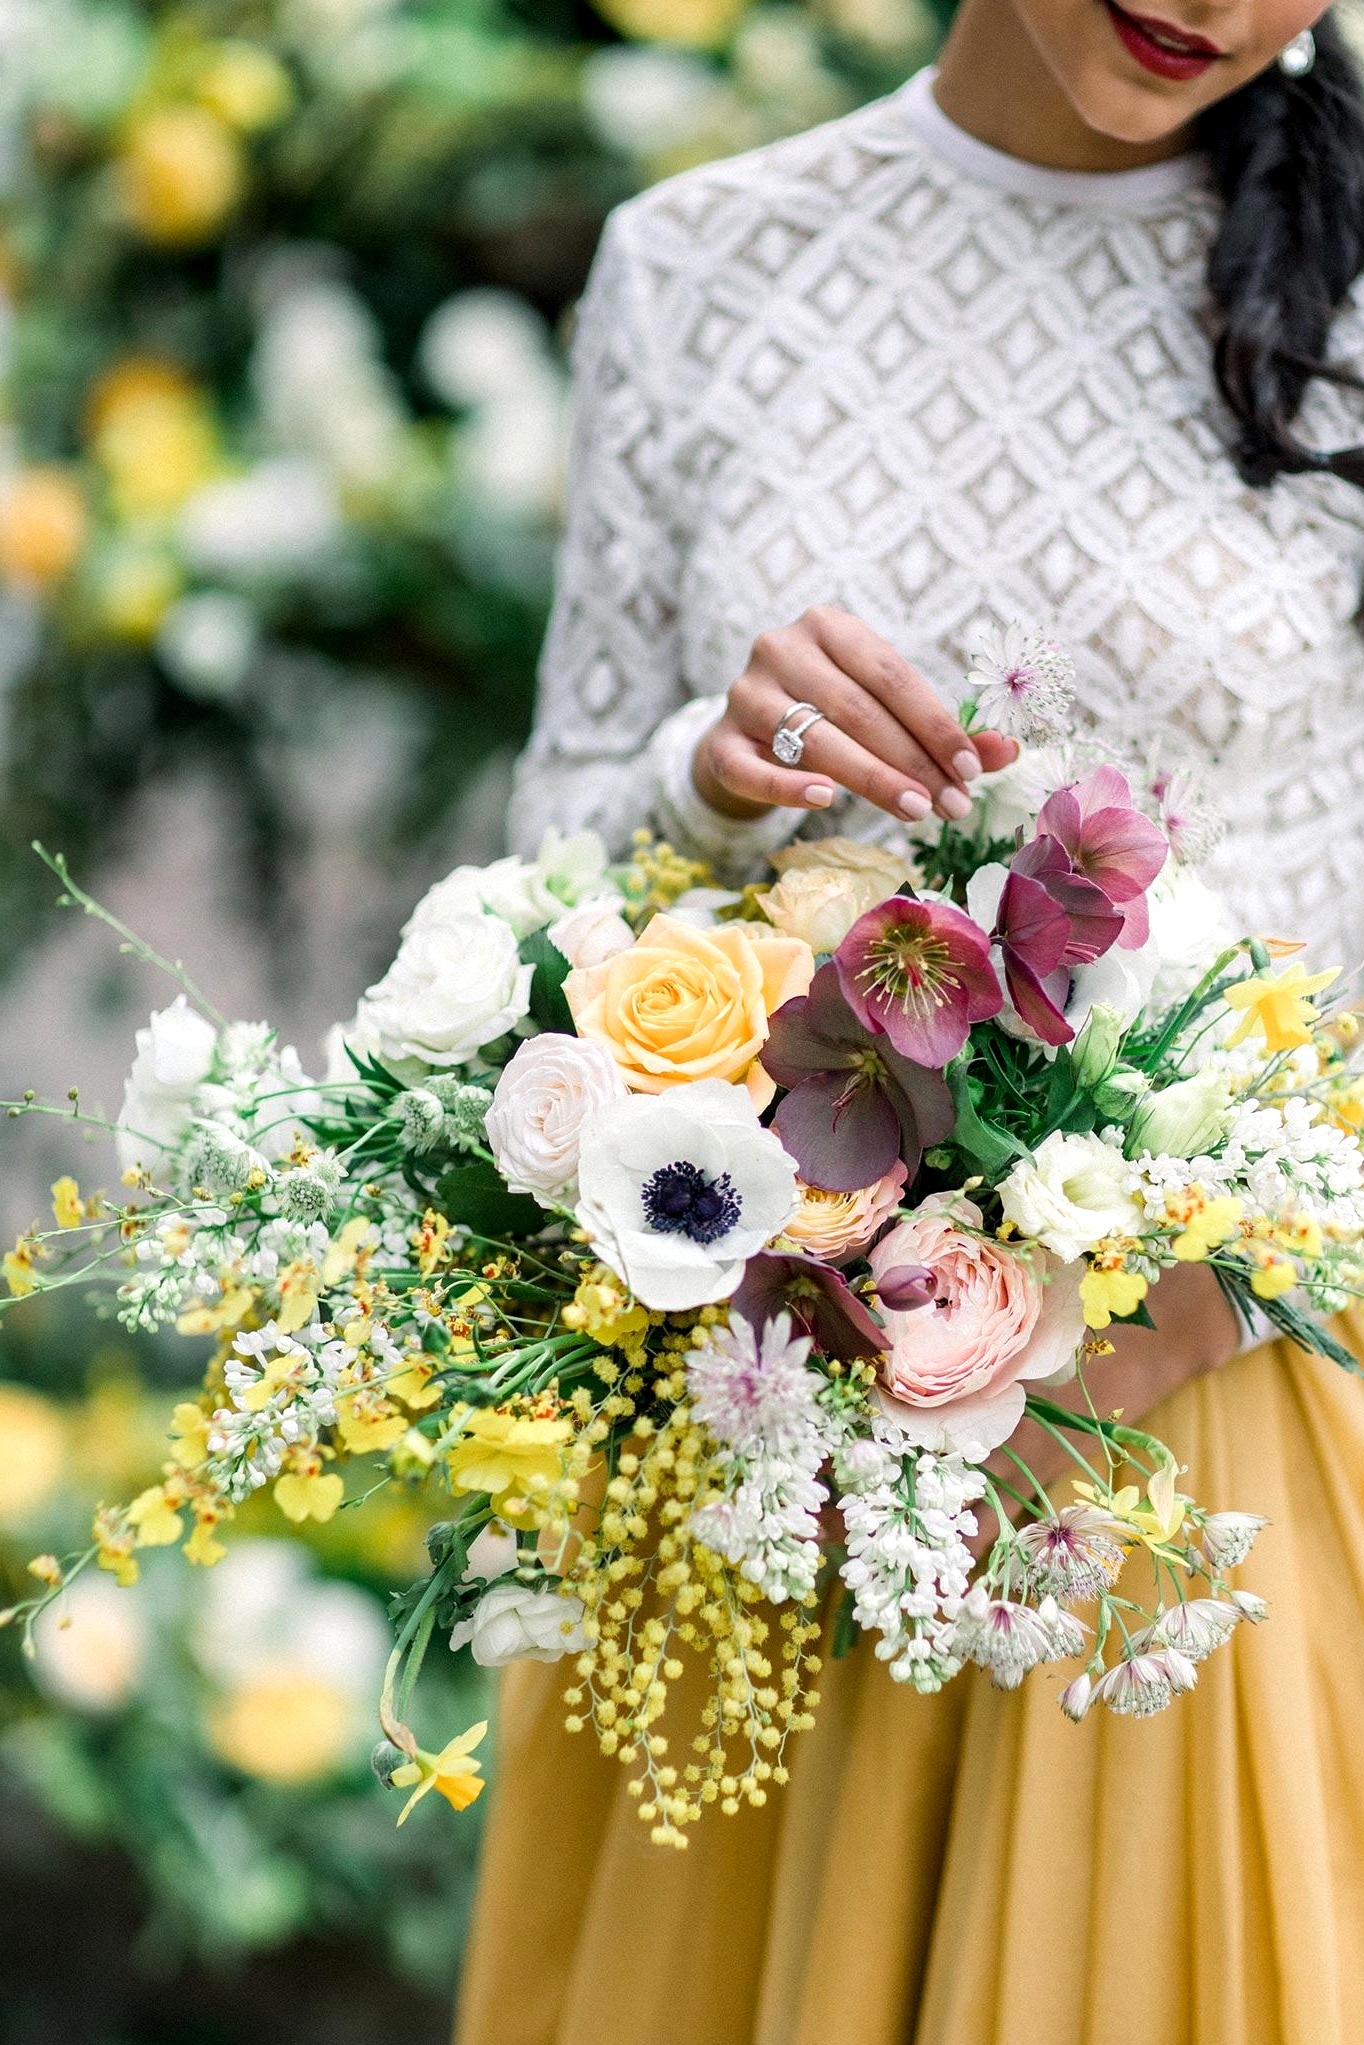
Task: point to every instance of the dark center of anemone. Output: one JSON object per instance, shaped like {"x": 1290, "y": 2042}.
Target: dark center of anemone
{"x": 681, "y": 1199}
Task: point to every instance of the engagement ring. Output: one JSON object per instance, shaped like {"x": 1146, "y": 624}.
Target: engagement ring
{"x": 788, "y": 740}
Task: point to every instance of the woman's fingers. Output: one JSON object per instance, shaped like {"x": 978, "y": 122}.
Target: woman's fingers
{"x": 746, "y": 769}
{"x": 912, "y": 701}
{"x": 792, "y": 669}
{"x": 830, "y": 754}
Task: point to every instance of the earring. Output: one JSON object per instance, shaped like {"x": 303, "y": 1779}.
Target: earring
{"x": 1297, "y": 58}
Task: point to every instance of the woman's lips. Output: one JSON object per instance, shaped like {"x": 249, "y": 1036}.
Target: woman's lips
{"x": 1160, "y": 47}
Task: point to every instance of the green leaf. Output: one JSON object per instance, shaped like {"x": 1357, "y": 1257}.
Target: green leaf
{"x": 474, "y": 1194}
{"x": 548, "y": 1007}
{"x": 989, "y": 1146}
{"x": 1140, "y": 1317}
{"x": 846, "y": 1629}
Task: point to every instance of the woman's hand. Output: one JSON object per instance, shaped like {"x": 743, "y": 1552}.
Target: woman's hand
{"x": 1196, "y": 1331}
{"x": 885, "y": 734}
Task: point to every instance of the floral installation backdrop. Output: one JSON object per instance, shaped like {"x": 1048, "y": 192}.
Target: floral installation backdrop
{"x": 286, "y": 288}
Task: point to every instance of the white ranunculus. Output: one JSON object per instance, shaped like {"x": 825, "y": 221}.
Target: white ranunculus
{"x": 543, "y": 1102}
{"x": 1070, "y": 1194}
{"x": 514, "y": 1623}
{"x": 174, "y": 1058}
{"x": 678, "y": 1190}
{"x": 592, "y": 933}
{"x": 510, "y": 456}
{"x": 457, "y": 984}
{"x": 1189, "y": 928}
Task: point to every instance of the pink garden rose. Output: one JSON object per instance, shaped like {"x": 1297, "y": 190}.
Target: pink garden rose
{"x": 955, "y": 1372}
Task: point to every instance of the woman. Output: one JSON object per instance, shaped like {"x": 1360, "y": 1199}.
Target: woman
{"x": 949, "y": 362}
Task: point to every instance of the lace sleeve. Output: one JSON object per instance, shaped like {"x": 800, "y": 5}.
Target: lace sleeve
{"x": 616, "y": 723}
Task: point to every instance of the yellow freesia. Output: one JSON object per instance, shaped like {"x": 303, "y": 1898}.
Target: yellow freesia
{"x": 453, "y": 1773}
{"x": 1279, "y": 1008}
{"x": 66, "y": 1203}
{"x": 1109, "y": 1294}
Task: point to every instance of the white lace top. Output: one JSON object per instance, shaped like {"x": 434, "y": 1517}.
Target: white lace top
{"x": 885, "y": 366}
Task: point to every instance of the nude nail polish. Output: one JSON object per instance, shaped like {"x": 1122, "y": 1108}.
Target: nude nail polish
{"x": 915, "y": 805}
{"x": 955, "y": 803}
{"x": 819, "y": 796}
{"x": 966, "y": 765}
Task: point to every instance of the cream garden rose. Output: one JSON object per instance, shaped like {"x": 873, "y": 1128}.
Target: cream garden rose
{"x": 834, "y": 1226}
{"x": 1071, "y": 1194}
{"x": 456, "y": 984}
{"x": 684, "y": 1004}
{"x": 821, "y": 908}
{"x": 547, "y": 1094}
{"x": 592, "y": 933}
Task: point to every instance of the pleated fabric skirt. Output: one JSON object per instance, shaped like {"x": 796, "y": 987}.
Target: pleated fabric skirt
{"x": 971, "y": 1869}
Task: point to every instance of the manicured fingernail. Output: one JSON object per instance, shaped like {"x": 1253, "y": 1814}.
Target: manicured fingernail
{"x": 915, "y": 804}
{"x": 954, "y": 802}
{"x": 965, "y": 764}
{"x": 819, "y": 795}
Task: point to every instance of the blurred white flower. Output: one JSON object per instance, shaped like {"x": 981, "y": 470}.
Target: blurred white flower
{"x": 483, "y": 345}
{"x": 510, "y": 456}
{"x": 1189, "y": 927}
{"x": 91, "y": 1645}
{"x": 208, "y": 642}
{"x": 321, "y": 384}
{"x": 280, "y": 519}
{"x": 174, "y": 1057}
{"x": 264, "y": 1606}
{"x": 646, "y": 100}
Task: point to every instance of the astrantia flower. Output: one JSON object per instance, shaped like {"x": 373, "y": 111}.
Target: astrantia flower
{"x": 854, "y": 1105}
{"x": 678, "y": 1190}
{"x": 1022, "y": 681}
{"x": 1192, "y": 823}
{"x": 1250, "y": 1605}
{"x": 1196, "y": 1628}
{"x": 753, "y": 1390}
{"x": 1228, "y": 1538}
{"x": 1138, "y": 1687}
{"x": 1002, "y": 1636}
{"x": 920, "y": 971}
{"x": 1075, "y": 1699}
{"x": 1075, "y": 1554}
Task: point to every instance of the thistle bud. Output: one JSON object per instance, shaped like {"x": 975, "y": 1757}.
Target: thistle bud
{"x": 422, "y": 1117}
{"x": 905, "y": 1287}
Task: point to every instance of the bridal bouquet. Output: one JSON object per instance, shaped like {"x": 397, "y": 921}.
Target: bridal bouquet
{"x": 705, "y": 1251}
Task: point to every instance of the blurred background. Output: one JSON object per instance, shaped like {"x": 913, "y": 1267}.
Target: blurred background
{"x": 285, "y": 290}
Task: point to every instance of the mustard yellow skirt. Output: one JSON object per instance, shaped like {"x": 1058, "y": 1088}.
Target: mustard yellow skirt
{"x": 970, "y": 1869}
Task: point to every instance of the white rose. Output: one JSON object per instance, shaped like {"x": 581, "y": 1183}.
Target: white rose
{"x": 678, "y": 1190}
{"x": 456, "y": 984}
{"x": 1070, "y": 1195}
{"x": 525, "y": 894}
{"x": 513, "y": 1623}
{"x": 174, "y": 1058}
{"x": 543, "y": 1102}
{"x": 592, "y": 933}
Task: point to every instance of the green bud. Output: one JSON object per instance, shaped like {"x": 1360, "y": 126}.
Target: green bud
{"x": 1119, "y": 1095}
{"x": 1095, "y": 1051}
{"x": 1183, "y": 1120}
{"x": 385, "y": 1758}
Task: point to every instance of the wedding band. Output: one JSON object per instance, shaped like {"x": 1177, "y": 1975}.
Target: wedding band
{"x": 788, "y": 740}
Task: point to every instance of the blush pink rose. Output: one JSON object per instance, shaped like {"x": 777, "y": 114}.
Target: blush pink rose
{"x": 835, "y": 1226}
{"x": 955, "y": 1371}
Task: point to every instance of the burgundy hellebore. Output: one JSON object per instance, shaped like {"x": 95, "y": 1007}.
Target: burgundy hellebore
{"x": 1109, "y": 842}
{"x": 920, "y": 972}
{"x": 854, "y": 1103}
{"x": 821, "y": 1304}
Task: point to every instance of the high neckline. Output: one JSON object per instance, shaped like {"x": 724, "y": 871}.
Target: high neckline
{"x": 1123, "y": 191}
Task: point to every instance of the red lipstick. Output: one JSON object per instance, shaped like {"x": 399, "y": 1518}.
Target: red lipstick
{"x": 1160, "y": 47}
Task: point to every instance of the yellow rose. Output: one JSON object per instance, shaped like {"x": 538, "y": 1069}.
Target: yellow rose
{"x": 684, "y": 1004}
{"x": 821, "y": 905}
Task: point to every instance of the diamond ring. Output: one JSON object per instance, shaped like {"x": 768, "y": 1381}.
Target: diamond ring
{"x": 788, "y": 740}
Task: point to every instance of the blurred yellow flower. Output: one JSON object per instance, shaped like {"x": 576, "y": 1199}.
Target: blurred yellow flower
{"x": 203, "y": 1547}
{"x": 368, "y": 1422}
{"x": 1157, "y": 1520}
{"x": 283, "y": 1725}
{"x": 308, "y": 1497}
{"x": 511, "y": 1456}
{"x": 1280, "y": 1009}
{"x": 18, "y": 1268}
{"x": 156, "y": 1522}
{"x": 245, "y": 85}
{"x": 114, "y": 1542}
{"x": 134, "y": 589}
{"x": 189, "y": 1430}
{"x": 453, "y": 1773}
{"x": 229, "y": 1310}
{"x": 180, "y": 175}
{"x": 413, "y": 1384}
{"x": 44, "y": 526}
{"x": 603, "y": 1308}
{"x": 67, "y": 1211}
{"x": 32, "y": 1453}
{"x": 1274, "y": 1274}
{"x": 696, "y": 24}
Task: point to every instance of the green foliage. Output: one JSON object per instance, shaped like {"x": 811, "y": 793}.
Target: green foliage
{"x": 475, "y": 1194}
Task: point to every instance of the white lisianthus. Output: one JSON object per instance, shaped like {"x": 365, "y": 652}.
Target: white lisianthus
{"x": 457, "y": 984}
{"x": 593, "y": 932}
{"x": 174, "y": 1057}
{"x": 1184, "y": 1120}
{"x": 513, "y": 1623}
{"x": 544, "y": 1100}
{"x": 678, "y": 1190}
{"x": 1071, "y": 1194}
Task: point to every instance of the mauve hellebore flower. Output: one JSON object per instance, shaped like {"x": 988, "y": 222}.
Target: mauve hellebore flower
{"x": 920, "y": 972}
{"x": 820, "y": 1302}
{"x": 854, "y": 1104}
{"x": 1108, "y": 842}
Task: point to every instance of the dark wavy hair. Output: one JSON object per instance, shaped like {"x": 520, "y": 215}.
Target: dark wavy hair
{"x": 1288, "y": 158}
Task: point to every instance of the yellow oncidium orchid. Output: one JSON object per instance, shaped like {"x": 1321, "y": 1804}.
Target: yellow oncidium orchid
{"x": 453, "y": 1773}
{"x": 155, "y": 1519}
{"x": 1157, "y": 1521}
{"x": 1274, "y": 1274}
{"x": 66, "y": 1203}
{"x": 1207, "y": 1224}
{"x": 308, "y": 1495}
{"x": 511, "y": 1456}
{"x": 1108, "y": 1293}
{"x": 1279, "y": 1008}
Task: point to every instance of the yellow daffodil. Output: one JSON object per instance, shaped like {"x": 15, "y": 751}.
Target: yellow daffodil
{"x": 308, "y": 1495}
{"x": 1108, "y": 1294}
{"x": 66, "y": 1203}
{"x": 453, "y": 1773}
{"x": 1279, "y": 1008}
{"x": 509, "y": 1455}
